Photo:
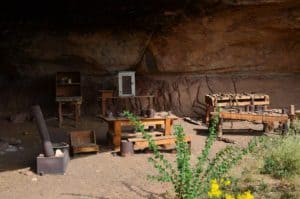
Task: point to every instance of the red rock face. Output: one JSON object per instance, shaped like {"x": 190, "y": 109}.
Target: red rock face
{"x": 252, "y": 38}
{"x": 260, "y": 37}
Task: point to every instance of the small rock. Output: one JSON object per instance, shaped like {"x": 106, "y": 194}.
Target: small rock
{"x": 25, "y": 172}
{"x": 19, "y": 117}
{"x": 3, "y": 145}
{"x": 59, "y": 153}
{"x": 25, "y": 133}
{"x": 14, "y": 141}
{"x": 34, "y": 179}
{"x": 11, "y": 148}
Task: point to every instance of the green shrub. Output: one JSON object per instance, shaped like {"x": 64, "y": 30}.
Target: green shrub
{"x": 282, "y": 158}
{"x": 190, "y": 182}
{"x": 295, "y": 128}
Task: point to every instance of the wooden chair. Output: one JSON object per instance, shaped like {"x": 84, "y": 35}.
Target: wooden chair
{"x": 83, "y": 142}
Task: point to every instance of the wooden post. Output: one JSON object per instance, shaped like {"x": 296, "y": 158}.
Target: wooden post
{"x": 117, "y": 135}
{"x": 77, "y": 113}
{"x": 265, "y": 107}
{"x": 207, "y": 115}
{"x": 292, "y": 110}
{"x": 168, "y": 126}
{"x": 285, "y": 128}
{"x": 247, "y": 108}
{"x": 292, "y": 115}
{"x": 220, "y": 128}
{"x": 266, "y": 128}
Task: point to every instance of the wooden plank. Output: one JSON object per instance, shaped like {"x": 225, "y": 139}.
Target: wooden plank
{"x": 139, "y": 143}
{"x": 86, "y": 149}
{"x": 139, "y": 134}
{"x": 263, "y": 117}
{"x": 237, "y": 99}
{"x": 126, "y": 97}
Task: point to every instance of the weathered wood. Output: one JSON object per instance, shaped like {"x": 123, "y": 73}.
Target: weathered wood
{"x": 76, "y": 111}
{"x": 255, "y": 117}
{"x": 292, "y": 110}
{"x": 220, "y": 128}
{"x": 115, "y": 125}
{"x": 83, "y": 141}
{"x": 248, "y": 101}
{"x": 68, "y": 91}
{"x": 141, "y": 143}
{"x": 139, "y": 134}
{"x": 85, "y": 149}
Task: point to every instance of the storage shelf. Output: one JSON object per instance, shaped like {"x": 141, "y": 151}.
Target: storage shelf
{"x": 67, "y": 84}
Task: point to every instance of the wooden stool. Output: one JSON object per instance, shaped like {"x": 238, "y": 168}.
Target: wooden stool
{"x": 76, "y": 104}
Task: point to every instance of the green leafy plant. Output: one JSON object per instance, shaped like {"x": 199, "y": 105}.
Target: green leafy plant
{"x": 294, "y": 128}
{"x": 282, "y": 157}
{"x": 189, "y": 181}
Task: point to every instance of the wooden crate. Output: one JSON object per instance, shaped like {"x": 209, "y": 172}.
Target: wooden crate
{"x": 231, "y": 99}
{"x": 83, "y": 141}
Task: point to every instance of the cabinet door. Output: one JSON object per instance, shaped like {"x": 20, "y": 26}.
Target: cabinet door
{"x": 126, "y": 83}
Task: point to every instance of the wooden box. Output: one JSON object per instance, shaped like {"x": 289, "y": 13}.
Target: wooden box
{"x": 83, "y": 141}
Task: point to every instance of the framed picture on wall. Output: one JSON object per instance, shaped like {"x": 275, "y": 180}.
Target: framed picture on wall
{"x": 126, "y": 83}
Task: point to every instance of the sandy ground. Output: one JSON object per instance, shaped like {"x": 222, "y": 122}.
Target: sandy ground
{"x": 101, "y": 175}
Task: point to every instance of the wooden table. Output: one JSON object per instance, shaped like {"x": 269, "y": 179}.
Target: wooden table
{"x": 248, "y": 101}
{"x": 115, "y": 126}
{"x": 75, "y": 101}
{"x": 266, "y": 118}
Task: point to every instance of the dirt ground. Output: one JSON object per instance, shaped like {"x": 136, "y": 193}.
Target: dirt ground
{"x": 103, "y": 175}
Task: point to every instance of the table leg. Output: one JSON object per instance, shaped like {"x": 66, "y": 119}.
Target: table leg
{"x": 103, "y": 103}
{"x": 117, "y": 135}
{"x": 60, "y": 115}
{"x": 220, "y": 128}
{"x": 77, "y": 113}
{"x": 168, "y": 124}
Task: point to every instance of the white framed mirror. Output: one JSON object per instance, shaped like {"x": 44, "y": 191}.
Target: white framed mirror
{"x": 126, "y": 83}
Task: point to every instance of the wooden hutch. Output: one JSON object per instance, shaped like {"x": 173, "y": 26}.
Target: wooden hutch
{"x": 68, "y": 91}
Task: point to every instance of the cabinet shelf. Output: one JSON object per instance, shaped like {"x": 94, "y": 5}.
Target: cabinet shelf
{"x": 67, "y": 84}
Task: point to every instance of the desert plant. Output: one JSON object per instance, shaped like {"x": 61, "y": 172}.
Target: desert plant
{"x": 189, "y": 181}
{"x": 294, "y": 128}
{"x": 282, "y": 157}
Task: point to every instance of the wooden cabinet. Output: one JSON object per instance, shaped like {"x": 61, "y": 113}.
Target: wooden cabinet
{"x": 68, "y": 91}
{"x": 68, "y": 84}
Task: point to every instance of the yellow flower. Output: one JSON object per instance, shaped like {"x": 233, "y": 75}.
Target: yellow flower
{"x": 215, "y": 189}
{"x": 246, "y": 195}
{"x": 227, "y": 182}
{"x": 228, "y": 196}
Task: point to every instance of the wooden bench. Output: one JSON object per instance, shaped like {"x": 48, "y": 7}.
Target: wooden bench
{"x": 141, "y": 143}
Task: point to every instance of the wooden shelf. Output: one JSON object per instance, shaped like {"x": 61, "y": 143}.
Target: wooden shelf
{"x": 67, "y": 84}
